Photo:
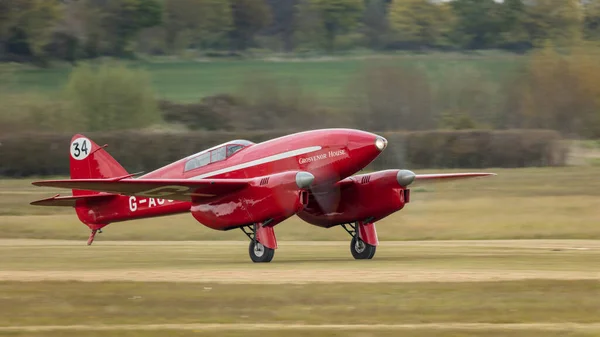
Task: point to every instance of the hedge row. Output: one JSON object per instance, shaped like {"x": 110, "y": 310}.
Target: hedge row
{"x": 47, "y": 154}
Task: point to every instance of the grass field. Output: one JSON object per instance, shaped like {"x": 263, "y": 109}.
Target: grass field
{"x": 326, "y": 78}
{"x": 548, "y": 285}
{"x": 480, "y": 288}
{"x": 533, "y": 203}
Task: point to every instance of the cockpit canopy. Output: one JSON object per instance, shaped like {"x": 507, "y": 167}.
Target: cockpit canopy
{"x": 215, "y": 154}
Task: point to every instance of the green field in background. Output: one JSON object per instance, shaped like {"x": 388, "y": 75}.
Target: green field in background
{"x": 326, "y": 78}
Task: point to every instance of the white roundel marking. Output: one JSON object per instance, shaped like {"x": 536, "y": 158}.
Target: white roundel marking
{"x": 81, "y": 148}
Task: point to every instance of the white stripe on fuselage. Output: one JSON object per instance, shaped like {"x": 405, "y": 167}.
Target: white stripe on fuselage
{"x": 260, "y": 161}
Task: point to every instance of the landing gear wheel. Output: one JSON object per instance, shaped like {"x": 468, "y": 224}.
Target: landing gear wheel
{"x": 361, "y": 250}
{"x": 260, "y": 253}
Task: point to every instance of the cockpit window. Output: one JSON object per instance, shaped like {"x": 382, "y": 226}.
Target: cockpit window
{"x": 231, "y": 149}
{"x": 199, "y": 161}
{"x": 218, "y": 154}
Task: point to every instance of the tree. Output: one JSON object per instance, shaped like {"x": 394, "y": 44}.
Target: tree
{"x": 284, "y": 24}
{"x": 26, "y": 26}
{"x": 513, "y": 16}
{"x": 375, "y": 21}
{"x": 249, "y": 16}
{"x": 196, "y": 23}
{"x": 558, "y": 21}
{"x": 478, "y": 23}
{"x": 123, "y": 19}
{"x": 420, "y": 22}
{"x": 559, "y": 91}
{"x": 337, "y": 17}
{"x": 592, "y": 20}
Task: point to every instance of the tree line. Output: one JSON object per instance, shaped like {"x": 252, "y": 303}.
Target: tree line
{"x": 42, "y": 30}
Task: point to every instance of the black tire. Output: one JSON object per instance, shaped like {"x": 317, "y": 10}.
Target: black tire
{"x": 261, "y": 253}
{"x": 362, "y": 250}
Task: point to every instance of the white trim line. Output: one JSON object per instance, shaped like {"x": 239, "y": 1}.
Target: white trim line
{"x": 256, "y": 162}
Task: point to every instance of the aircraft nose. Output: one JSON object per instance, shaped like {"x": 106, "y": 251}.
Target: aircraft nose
{"x": 367, "y": 141}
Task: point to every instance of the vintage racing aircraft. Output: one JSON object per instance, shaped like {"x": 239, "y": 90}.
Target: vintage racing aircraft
{"x": 254, "y": 187}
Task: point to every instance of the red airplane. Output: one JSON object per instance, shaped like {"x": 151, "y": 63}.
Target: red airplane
{"x": 240, "y": 184}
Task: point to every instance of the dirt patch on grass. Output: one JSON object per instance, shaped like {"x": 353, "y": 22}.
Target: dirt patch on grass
{"x": 259, "y": 326}
{"x": 297, "y": 275}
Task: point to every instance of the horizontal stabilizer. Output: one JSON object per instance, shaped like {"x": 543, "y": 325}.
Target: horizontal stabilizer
{"x": 173, "y": 189}
{"x": 70, "y": 201}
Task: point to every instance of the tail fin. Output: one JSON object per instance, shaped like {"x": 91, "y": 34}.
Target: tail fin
{"x": 88, "y": 160}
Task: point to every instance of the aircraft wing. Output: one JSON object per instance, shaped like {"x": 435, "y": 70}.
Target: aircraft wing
{"x": 406, "y": 177}
{"x": 443, "y": 177}
{"x": 172, "y": 189}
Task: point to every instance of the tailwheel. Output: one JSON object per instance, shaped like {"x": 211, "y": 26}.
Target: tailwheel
{"x": 360, "y": 249}
{"x": 260, "y": 253}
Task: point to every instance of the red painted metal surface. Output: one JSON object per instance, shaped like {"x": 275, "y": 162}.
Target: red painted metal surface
{"x": 240, "y": 183}
{"x": 276, "y": 201}
{"x": 330, "y": 155}
{"x": 368, "y": 233}
{"x": 266, "y": 236}
{"x": 367, "y": 197}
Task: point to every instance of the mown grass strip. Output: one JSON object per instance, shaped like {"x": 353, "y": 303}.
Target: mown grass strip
{"x": 89, "y": 303}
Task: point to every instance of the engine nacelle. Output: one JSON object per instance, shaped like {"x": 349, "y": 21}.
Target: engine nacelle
{"x": 267, "y": 200}
{"x": 366, "y": 198}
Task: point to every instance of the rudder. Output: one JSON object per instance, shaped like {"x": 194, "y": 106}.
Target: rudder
{"x": 88, "y": 160}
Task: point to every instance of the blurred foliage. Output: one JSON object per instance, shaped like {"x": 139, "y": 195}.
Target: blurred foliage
{"x": 110, "y": 96}
{"x": 464, "y": 98}
{"x": 428, "y": 149}
{"x": 35, "y": 112}
{"x": 392, "y": 98}
{"x": 195, "y": 24}
{"x": 263, "y": 103}
{"x": 421, "y": 23}
{"x": 26, "y": 26}
{"x": 552, "y": 89}
{"x": 592, "y": 20}
{"x": 249, "y": 16}
{"x": 557, "y": 91}
{"x": 211, "y": 113}
{"x": 337, "y": 17}
{"x": 43, "y": 30}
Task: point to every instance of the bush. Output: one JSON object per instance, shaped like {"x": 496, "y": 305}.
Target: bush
{"x": 36, "y": 112}
{"x": 556, "y": 91}
{"x": 110, "y": 96}
{"x": 465, "y": 98}
{"x": 271, "y": 103}
{"x": 211, "y": 113}
{"x": 263, "y": 103}
{"x": 39, "y": 154}
{"x": 392, "y": 98}
{"x": 484, "y": 148}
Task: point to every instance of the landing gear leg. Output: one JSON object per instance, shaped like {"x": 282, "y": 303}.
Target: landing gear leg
{"x": 92, "y": 236}
{"x": 258, "y": 251}
{"x": 360, "y": 249}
